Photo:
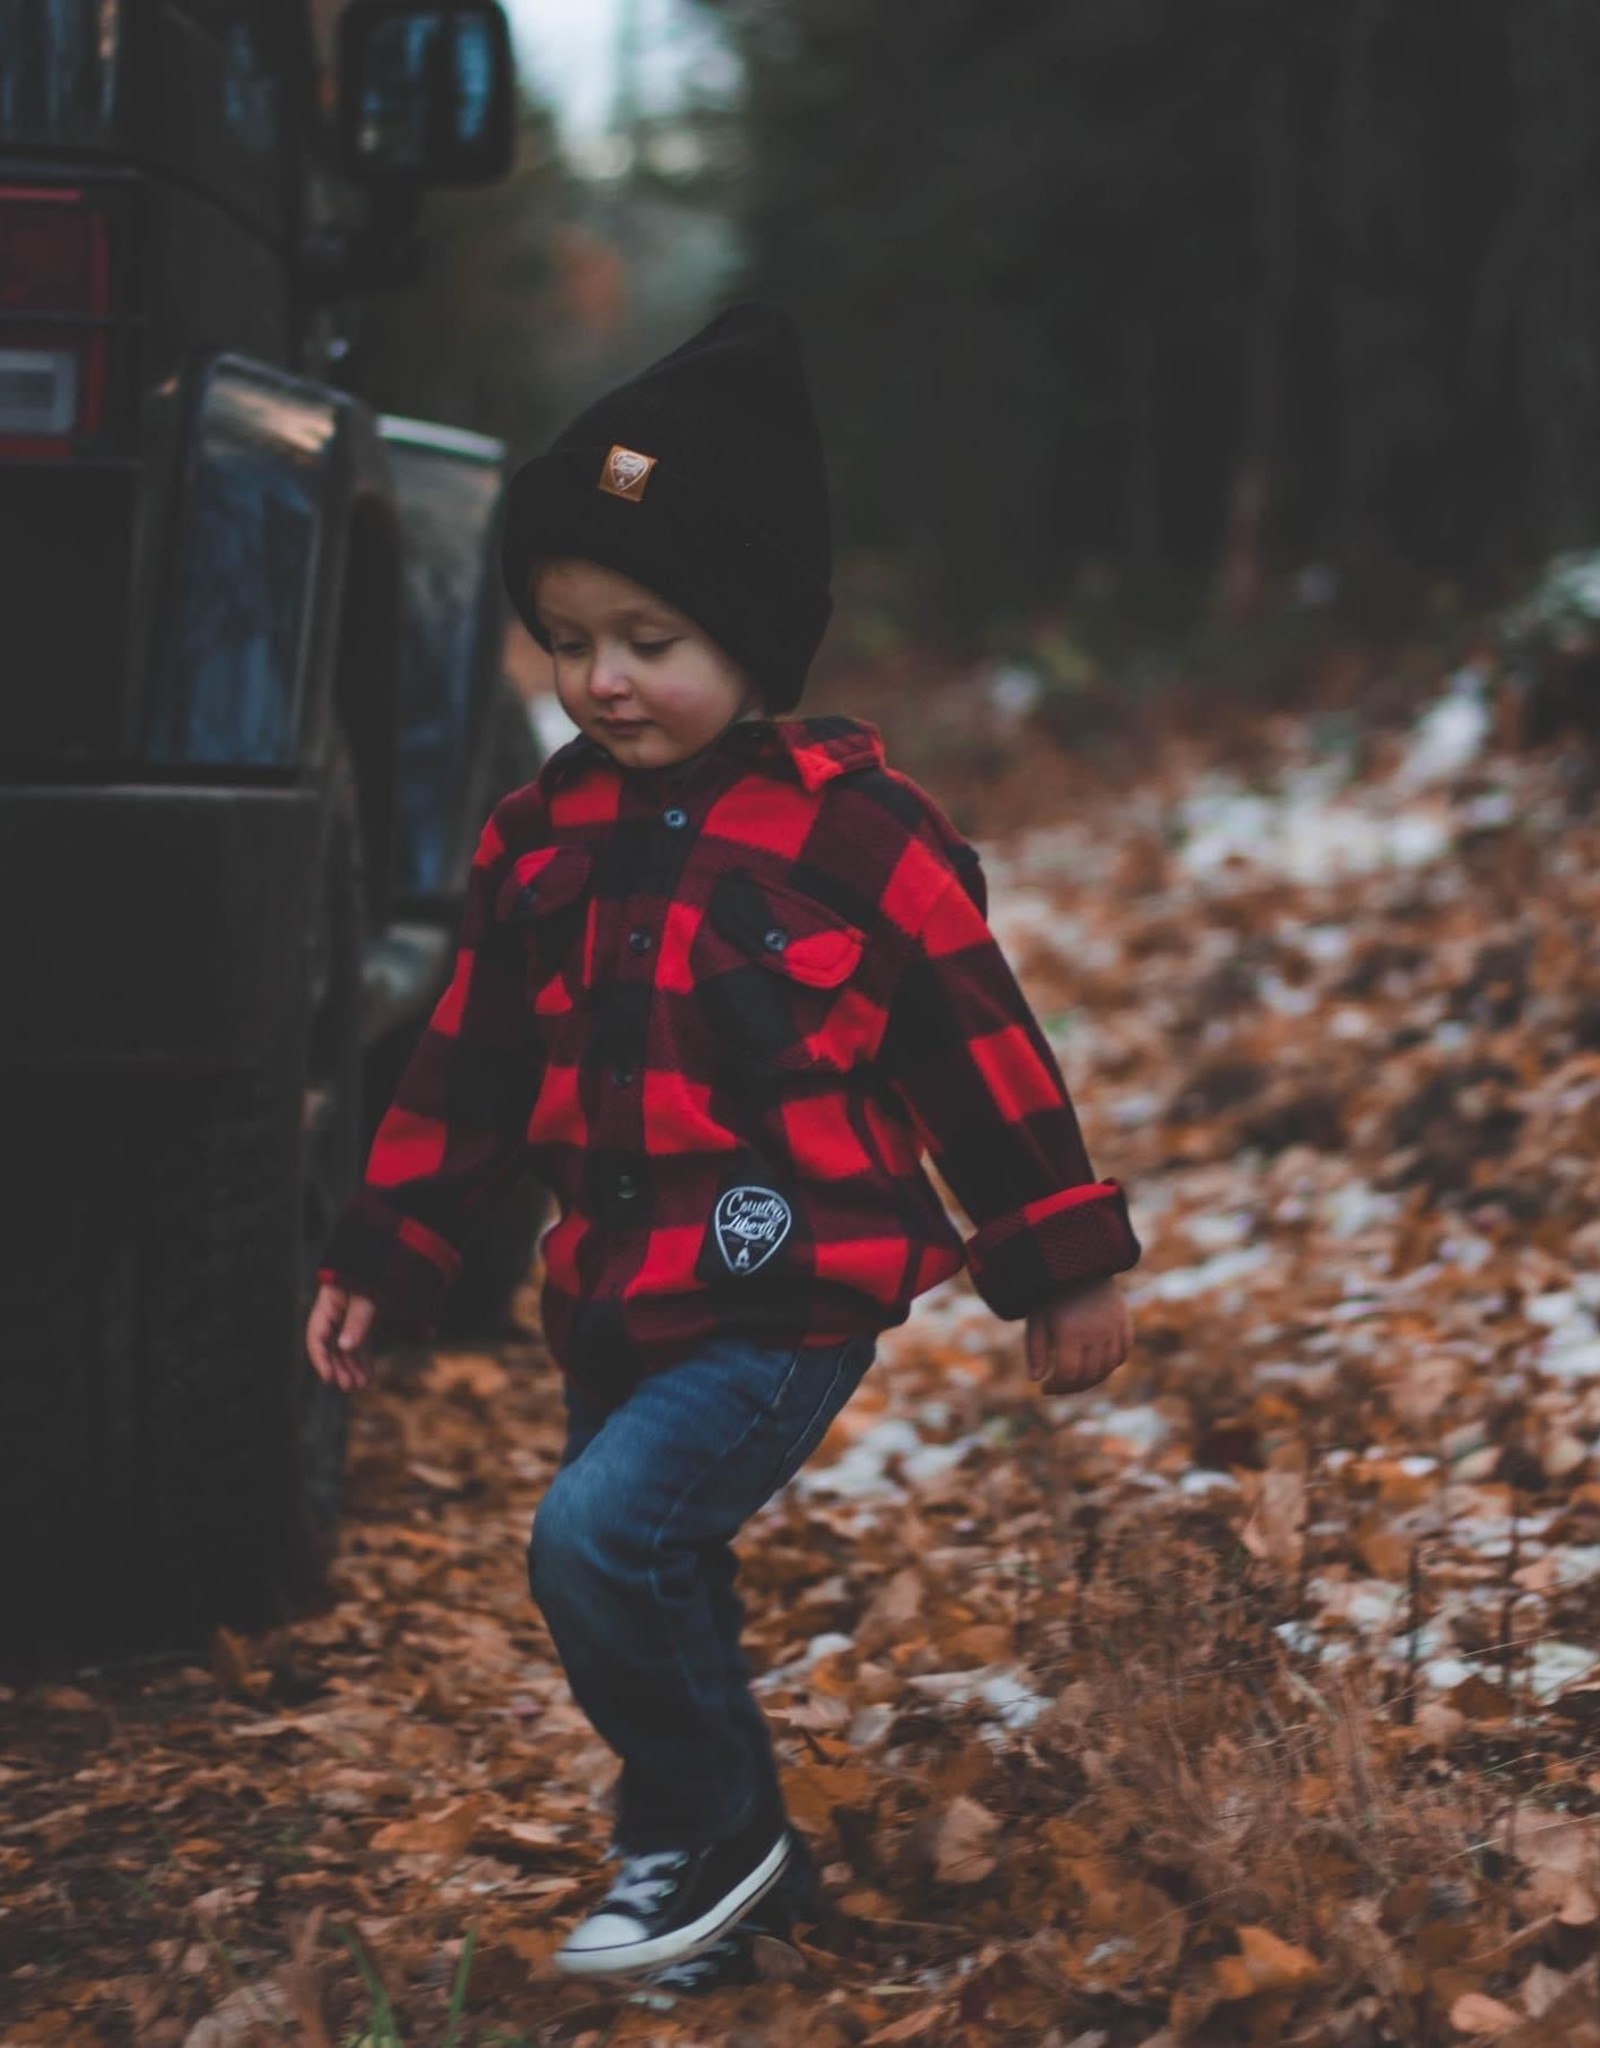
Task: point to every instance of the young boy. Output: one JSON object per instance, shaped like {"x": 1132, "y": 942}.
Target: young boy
{"x": 724, "y": 977}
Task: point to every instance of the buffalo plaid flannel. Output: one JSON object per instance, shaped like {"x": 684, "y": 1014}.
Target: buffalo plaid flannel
{"x": 722, "y": 1014}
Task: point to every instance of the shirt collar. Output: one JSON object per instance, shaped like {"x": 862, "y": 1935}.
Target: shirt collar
{"x": 815, "y": 750}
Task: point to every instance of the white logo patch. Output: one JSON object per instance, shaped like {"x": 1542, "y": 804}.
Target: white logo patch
{"x": 626, "y": 472}
{"x": 750, "y": 1224}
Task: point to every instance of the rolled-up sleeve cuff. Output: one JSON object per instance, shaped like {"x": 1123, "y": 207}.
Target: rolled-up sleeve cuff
{"x": 397, "y": 1262}
{"x": 1022, "y": 1260}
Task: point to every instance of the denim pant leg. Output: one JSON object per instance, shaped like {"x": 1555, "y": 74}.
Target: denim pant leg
{"x": 628, "y": 1563}
{"x": 720, "y": 1568}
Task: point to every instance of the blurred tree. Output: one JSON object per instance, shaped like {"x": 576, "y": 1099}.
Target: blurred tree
{"x": 1195, "y": 288}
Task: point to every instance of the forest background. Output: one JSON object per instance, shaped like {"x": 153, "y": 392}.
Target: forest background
{"x": 1151, "y": 313}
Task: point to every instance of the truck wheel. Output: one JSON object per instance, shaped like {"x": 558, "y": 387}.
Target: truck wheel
{"x": 53, "y": 1415}
{"x": 248, "y": 1444}
{"x": 167, "y": 1457}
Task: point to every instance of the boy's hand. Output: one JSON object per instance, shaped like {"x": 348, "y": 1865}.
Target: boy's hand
{"x": 338, "y": 1335}
{"x": 1076, "y": 1341}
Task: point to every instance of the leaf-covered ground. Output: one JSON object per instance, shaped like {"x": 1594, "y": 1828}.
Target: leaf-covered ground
{"x": 1246, "y": 1700}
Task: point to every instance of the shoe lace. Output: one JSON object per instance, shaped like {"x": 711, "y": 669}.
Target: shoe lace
{"x": 645, "y": 1879}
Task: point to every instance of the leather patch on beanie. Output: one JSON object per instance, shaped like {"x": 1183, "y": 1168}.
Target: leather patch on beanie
{"x": 626, "y": 472}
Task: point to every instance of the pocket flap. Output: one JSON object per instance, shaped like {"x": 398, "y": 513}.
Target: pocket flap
{"x": 542, "y": 882}
{"x": 788, "y": 933}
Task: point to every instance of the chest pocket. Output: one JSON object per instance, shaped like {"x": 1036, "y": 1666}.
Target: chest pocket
{"x": 545, "y": 899}
{"x": 779, "y": 975}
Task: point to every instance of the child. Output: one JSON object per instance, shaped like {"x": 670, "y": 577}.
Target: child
{"x": 724, "y": 976}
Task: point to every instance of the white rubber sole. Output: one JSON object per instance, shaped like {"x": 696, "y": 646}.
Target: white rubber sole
{"x": 625, "y": 1957}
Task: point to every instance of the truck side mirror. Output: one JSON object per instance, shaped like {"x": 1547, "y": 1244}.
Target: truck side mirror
{"x": 425, "y": 93}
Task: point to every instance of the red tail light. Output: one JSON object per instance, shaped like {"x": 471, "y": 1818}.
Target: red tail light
{"x": 55, "y": 302}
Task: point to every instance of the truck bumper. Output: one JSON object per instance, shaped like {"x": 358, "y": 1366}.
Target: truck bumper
{"x": 152, "y": 926}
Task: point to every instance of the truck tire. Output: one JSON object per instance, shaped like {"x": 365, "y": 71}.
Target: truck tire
{"x": 168, "y": 1459}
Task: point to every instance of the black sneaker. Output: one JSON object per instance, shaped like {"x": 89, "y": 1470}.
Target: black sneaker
{"x": 734, "y": 1958}
{"x": 670, "y": 1903}
{"x": 796, "y": 1896}
{"x": 729, "y": 1960}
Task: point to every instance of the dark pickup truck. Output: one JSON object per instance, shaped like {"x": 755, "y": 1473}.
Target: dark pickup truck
{"x": 252, "y": 720}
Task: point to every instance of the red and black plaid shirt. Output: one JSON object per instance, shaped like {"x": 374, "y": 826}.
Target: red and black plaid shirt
{"x": 721, "y": 1015}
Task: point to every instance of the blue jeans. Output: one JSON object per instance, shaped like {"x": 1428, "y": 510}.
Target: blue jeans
{"x": 632, "y": 1567}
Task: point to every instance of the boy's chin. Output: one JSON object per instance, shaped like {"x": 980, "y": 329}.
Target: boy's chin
{"x": 648, "y": 748}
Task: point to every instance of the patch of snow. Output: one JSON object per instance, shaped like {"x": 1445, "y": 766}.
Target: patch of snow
{"x": 1023, "y": 914}
{"x": 1014, "y": 690}
{"x": 1487, "y": 813}
{"x": 1142, "y": 1427}
{"x": 1353, "y": 1310}
{"x": 1128, "y": 1111}
{"x": 862, "y": 1469}
{"x": 1285, "y": 998}
{"x": 1215, "y": 1230}
{"x": 1466, "y": 1251}
{"x": 1203, "y": 1481}
{"x": 1353, "y": 1207}
{"x": 1308, "y": 830}
{"x": 1366, "y": 1605}
{"x": 1349, "y": 1022}
{"x": 1015, "y": 1705}
{"x": 1451, "y": 733}
{"x": 1183, "y": 1283}
{"x": 930, "y": 1460}
{"x": 1576, "y": 1562}
{"x": 1554, "y": 1666}
{"x": 1328, "y": 943}
{"x": 871, "y": 1725}
{"x": 828, "y": 1645}
{"x": 1572, "y": 1349}
{"x": 1489, "y": 1532}
{"x": 1000, "y": 1688}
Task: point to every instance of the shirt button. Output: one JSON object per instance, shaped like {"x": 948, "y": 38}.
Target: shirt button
{"x": 776, "y": 939}
{"x": 623, "y": 1076}
{"x": 527, "y": 895}
{"x": 675, "y": 819}
{"x": 627, "y": 1188}
{"x": 639, "y": 940}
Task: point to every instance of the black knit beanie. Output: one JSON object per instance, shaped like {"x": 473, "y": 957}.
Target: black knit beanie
{"x": 703, "y": 479}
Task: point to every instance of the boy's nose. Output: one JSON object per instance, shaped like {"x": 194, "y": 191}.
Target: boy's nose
{"x": 607, "y": 684}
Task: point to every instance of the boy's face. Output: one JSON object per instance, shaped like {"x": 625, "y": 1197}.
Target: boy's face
{"x": 631, "y": 672}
